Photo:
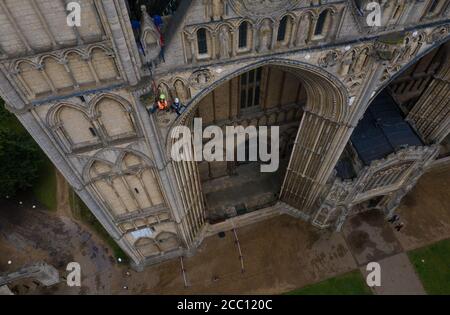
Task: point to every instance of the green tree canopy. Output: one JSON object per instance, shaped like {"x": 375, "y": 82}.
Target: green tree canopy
{"x": 20, "y": 157}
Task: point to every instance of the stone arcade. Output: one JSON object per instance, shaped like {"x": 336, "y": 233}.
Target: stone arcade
{"x": 314, "y": 68}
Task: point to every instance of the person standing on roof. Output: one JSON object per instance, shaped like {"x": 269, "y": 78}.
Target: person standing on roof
{"x": 162, "y": 103}
{"x": 176, "y": 106}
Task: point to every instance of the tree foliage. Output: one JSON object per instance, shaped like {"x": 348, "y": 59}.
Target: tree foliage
{"x": 20, "y": 157}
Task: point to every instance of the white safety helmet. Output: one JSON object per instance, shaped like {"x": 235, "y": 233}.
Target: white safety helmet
{"x": 177, "y": 100}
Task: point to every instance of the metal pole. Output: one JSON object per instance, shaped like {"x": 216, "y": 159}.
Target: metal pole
{"x": 184, "y": 272}
{"x": 241, "y": 257}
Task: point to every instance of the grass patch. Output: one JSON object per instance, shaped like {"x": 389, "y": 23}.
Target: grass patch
{"x": 44, "y": 189}
{"x": 81, "y": 212}
{"x": 432, "y": 264}
{"x": 351, "y": 283}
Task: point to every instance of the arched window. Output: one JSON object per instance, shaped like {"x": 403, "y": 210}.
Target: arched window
{"x": 282, "y": 29}
{"x": 130, "y": 187}
{"x": 250, "y": 86}
{"x": 202, "y": 41}
{"x": 321, "y": 22}
{"x": 243, "y": 34}
{"x": 76, "y": 128}
{"x": 115, "y": 119}
{"x": 167, "y": 241}
{"x": 147, "y": 247}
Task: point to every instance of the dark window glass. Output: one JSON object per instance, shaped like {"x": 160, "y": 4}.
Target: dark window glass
{"x": 257, "y": 92}
{"x": 258, "y": 74}
{"x": 250, "y": 97}
{"x": 243, "y": 98}
{"x": 243, "y": 34}
{"x": 251, "y": 88}
{"x": 321, "y": 23}
{"x": 251, "y": 77}
{"x": 282, "y": 29}
{"x": 202, "y": 42}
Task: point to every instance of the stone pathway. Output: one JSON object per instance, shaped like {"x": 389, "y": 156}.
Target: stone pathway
{"x": 398, "y": 277}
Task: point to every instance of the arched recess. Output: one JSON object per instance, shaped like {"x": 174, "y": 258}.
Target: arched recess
{"x": 115, "y": 118}
{"x": 104, "y": 64}
{"x": 128, "y": 186}
{"x": 204, "y": 43}
{"x": 73, "y": 127}
{"x": 244, "y": 39}
{"x": 304, "y": 29}
{"x": 167, "y": 241}
{"x": 147, "y": 247}
{"x": 57, "y": 73}
{"x": 182, "y": 90}
{"x": 32, "y": 78}
{"x": 285, "y": 31}
{"x": 79, "y": 67}
{"x": 315, "y": 151}
{"x": 265, "y": 35}
{"x": 323, "y": 24}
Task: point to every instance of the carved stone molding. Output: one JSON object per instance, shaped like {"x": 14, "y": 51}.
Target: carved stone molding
{"x": 262, "y": 8}
{"x": 201, "y": 79}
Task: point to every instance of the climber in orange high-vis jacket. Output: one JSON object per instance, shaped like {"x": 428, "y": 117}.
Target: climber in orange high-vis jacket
{"x": 162, "y": 103}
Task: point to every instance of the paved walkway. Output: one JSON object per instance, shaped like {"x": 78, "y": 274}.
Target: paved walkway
{"x": 397, "y": 277}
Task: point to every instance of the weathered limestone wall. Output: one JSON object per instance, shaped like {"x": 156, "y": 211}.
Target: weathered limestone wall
{"x": 78, "y": 92}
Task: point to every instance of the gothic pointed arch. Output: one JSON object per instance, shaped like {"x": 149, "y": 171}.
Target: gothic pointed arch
{"x": 32, "y": 78}
{"x": 72, "y": 126}
{"x": 167, "y": 241}
{"x": 115, "y": 116}
{"x": 147, "y": 247}
{"x": 56, "y": 72}
{"x": 104, "y": 63}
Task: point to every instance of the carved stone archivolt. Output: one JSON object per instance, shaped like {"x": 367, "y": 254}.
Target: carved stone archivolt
{"x": 262, "y": 8}
{"x": 330, "y": 59}
{"x": 439, "y": 34}
{"x": 407, "y": 49}
{"x": 352, "y": 64}
{"x": 201, "y": 79}
{"x": 66, "y": 69}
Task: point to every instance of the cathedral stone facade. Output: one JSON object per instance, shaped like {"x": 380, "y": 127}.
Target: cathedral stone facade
{"x": 363, "y": 110}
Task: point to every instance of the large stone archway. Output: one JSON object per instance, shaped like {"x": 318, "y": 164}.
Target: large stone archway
{"x": 315, "y": 149}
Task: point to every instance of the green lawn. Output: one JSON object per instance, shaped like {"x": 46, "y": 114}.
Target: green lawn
{"x": 44, "y": 189}
{"x": 351, "y": 283}
{"x": 432, "y": 264}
